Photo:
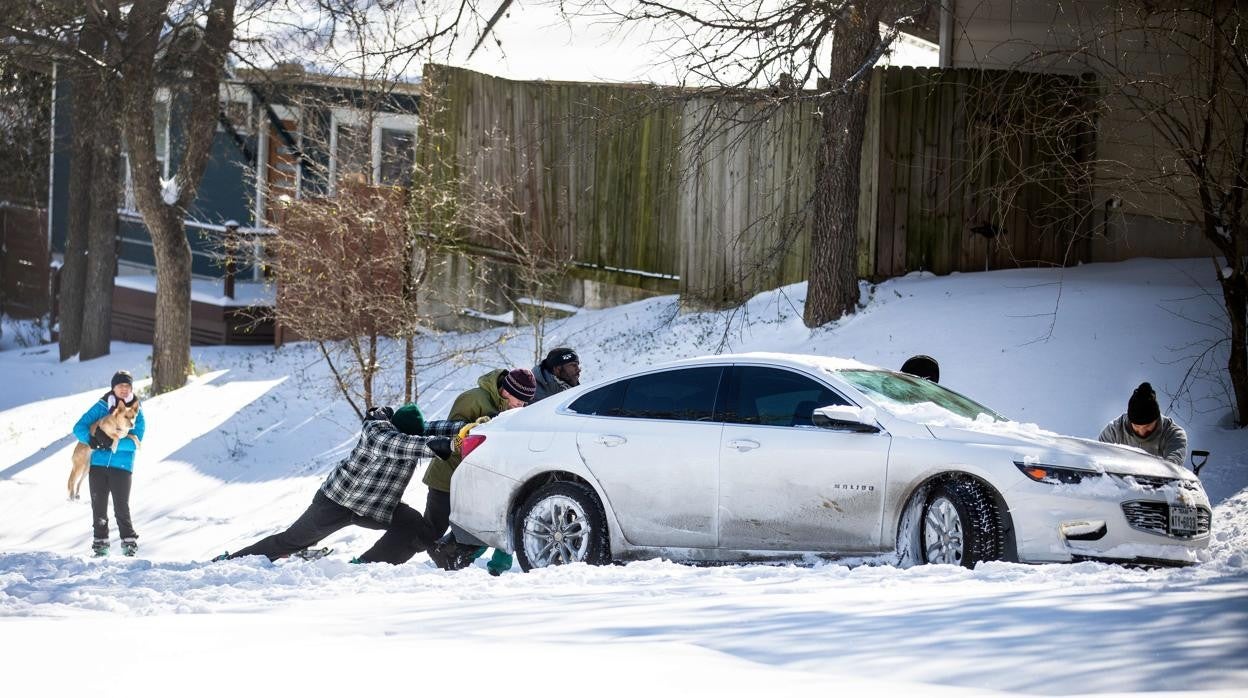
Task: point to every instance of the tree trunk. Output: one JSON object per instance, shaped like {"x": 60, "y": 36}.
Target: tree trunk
{"x": 74, "y": 268}
{"x": 1235, "y": 293}
{"x": 85, "y": 95}
{"x": 97, "y": 308}
{"x": 832, "y": 291}
{"x": 171, "y": 344}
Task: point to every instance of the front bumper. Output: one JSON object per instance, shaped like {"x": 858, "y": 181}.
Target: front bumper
{"x": 480, "y": 503}
{"x": 1059, "y": 524}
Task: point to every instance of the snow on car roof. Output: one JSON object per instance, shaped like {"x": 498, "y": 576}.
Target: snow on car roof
{"x": 826, "y": 363}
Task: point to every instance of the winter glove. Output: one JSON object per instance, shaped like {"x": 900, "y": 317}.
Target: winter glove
{"x": 100, "y": 441}
{"x": 463, "y": 432}
{"x": 441, "y": 446}
{"x": 376, "y": 413}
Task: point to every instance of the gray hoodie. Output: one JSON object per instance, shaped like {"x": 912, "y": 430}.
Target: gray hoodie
{"x": 547, "y": 383}
{"x": 1168, "y": 441}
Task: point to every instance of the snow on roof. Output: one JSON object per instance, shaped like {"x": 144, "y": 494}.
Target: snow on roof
{"x": 210, "y": 291}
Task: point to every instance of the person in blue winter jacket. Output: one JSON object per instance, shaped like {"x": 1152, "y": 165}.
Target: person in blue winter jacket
{"x": 111, "y": 469}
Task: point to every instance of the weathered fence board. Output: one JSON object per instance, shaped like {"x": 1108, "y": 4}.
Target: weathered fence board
{"x": 644, "y": 182}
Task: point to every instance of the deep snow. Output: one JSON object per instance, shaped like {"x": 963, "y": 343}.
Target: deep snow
{"x": 238, "y": 453}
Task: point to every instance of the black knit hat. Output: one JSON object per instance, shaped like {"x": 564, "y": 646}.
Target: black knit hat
{"x": 560, "y": 356}
{"x": 923, "y": 366}
{"x": 121, "y": 377}
{"x": 520, "y": 383}
{"x": 1142, "y": 407}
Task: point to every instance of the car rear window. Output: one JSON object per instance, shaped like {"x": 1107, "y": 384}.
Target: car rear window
{"x": 681, "y": 394}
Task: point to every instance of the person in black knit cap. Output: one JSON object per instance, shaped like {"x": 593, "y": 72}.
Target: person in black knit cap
{"x": 1144, "y": 427}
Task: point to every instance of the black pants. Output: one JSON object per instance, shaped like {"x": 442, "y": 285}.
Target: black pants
{"x": 438, "y": 511}
{"x": 407, "y": 534}
{"x": 104, "y": 482}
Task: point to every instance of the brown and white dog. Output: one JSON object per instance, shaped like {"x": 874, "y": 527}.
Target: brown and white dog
{"x": 115, "y": 425}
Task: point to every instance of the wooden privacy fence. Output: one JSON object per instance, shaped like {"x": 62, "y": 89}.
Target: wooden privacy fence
{"x": 25, "y": 279}
{"x": 709, "y": 195}
{"x": 966, "y": 170}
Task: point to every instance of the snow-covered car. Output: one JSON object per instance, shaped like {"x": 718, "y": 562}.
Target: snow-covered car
{"x": 759, "y": 456}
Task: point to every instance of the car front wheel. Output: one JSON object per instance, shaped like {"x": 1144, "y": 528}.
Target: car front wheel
{"x": 561, "y": 523}
{"x": 960, "y": 525}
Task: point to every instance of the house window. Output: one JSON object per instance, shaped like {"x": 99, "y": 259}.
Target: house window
{"x": 160, "y": 125}
{"x": 238, "y": 114}
{"x": 351, "y": 154}
{"x": 378, "y": 148}
{"x": 398, "y": 156}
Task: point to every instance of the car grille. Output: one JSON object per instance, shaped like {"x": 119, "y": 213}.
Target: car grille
{"x": 1154, "y": 517}
{"x": 1155, "y": 483}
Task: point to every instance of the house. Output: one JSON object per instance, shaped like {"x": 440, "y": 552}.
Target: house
{"x": 282, "y": 134}
{"x": 1095, "y": 40}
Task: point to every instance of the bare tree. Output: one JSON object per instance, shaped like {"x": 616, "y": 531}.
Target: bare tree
{"x": 789, "y": 47}
{"x": 61, "y": 33}
{"x": 156, "y": 42}
{"x": 351, "y": 261}
{"x": 1170, "y": 103}
{"x": 25, "y": 117}
{"x": 342, "y": 267}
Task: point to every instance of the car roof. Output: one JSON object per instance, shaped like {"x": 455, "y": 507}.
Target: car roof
{"x": 829, "y": 364}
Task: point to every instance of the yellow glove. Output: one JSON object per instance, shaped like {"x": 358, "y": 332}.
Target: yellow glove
{"x": 463, "y": 432}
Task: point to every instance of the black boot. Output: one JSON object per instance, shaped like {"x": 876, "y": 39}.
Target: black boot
{"x": 450, "y": 555}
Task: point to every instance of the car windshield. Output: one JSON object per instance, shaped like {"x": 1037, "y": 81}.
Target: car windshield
{"x": 892, "y": 388}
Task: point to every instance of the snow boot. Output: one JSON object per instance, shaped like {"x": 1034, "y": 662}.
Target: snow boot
{"x": 450, "y": 555}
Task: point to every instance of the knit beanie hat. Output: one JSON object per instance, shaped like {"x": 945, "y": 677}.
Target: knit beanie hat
{"x": 923, "y": 366}
{"x": 121, "y": 377}
{"x": 409, "y": 420}
{"x": 1142, "y": 407}
{"x": 520, "y": 383}
{"x": 560, "y": 356}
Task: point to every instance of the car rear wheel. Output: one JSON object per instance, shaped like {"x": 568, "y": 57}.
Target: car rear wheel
{"x": 960, "y": 525}
{"x": 561, "y": 523}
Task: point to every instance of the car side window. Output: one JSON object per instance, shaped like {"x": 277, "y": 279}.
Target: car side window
{"x": 686, "y": 394}
{"x": 775, "y": 397}
{"x": 604, "y": 401}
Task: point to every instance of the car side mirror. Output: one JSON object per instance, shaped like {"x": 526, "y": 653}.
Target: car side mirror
{"x": 845, "y": 418}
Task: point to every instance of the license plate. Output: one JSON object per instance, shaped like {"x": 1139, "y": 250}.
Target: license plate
{"x": 1183, "y": 520}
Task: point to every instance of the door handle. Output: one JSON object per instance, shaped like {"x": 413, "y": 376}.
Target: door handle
{"x": 610, "y": 439}
{"x": 744, "y": 445}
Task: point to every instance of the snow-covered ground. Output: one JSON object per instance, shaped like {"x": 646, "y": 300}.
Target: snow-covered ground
{"x": 238, "y": 453}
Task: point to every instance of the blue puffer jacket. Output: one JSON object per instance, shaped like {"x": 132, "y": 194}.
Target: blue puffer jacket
{"x": 124, "y": 457}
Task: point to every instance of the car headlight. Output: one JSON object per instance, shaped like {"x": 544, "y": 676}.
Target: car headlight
{"x": 1055, "y": 475}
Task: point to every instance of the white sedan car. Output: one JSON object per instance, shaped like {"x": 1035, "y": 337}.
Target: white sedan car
{"x": 760, "y": 456}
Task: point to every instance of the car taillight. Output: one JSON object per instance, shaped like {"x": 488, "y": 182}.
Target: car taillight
{"x": 470, "y": 443}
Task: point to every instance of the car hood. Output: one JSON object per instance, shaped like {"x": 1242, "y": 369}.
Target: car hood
{"x": 1031, "y": 444}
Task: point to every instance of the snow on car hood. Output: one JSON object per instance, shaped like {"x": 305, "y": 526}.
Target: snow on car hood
{"x": 1036, "y": 445}
{"x": 1031, "y": 444}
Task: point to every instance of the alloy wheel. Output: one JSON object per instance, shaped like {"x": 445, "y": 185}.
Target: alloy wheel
{"x": 943, "y": 538}
{"x": 557, "y": 531}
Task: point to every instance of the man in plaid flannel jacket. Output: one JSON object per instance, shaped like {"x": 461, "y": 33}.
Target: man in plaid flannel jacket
{"x": 366, "y": 489}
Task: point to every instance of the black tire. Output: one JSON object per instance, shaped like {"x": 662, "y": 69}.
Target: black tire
{"x": 979, "y": 519}
{"x": 596, "y": 547}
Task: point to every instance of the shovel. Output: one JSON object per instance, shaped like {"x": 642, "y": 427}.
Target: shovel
{"x": 1199, "y": 458}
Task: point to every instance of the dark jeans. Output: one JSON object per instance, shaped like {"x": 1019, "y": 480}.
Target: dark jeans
{"x": 104, "y": 482}
{"x": 438, "y": 511}
{"x": 407, "y": 534}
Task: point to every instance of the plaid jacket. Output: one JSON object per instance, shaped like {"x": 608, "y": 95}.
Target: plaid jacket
{"x": 371, "y": 481}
